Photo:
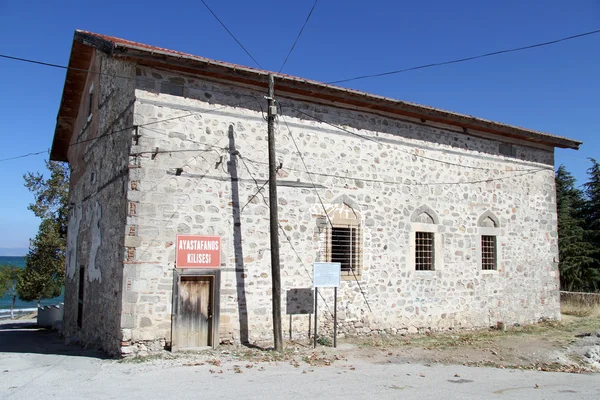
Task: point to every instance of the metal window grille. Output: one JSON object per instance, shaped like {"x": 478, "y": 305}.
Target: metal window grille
{"x": 424, "y": 251}
{"x": 343, "y": 246}
{"x": 488, "y": 252}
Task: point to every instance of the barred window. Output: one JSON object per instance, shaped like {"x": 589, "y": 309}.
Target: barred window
{"x": 488, "y": 253}
{"x": 341, "y": 236}
{"x": 343, "y": 246}
{"x": 424, "y": 251}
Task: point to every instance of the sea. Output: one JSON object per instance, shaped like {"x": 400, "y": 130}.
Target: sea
{"x": 21, "y": 307}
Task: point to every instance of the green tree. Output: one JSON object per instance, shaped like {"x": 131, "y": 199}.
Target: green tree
{"x": 9, "y": 278}
{"x": 51, "y": 195}
{"x": 592, "y": 210}
{"x": 44, "y": 272}
{"x": 575, "y": 251}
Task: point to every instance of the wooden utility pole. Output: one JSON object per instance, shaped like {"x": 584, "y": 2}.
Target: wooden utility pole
{"x": 274, "y": 219}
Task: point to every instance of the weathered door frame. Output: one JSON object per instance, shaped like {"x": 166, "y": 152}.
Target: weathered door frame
{"x": 213, "y": 273}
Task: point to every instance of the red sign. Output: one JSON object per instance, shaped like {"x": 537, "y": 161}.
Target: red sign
{"x": 195, "y": 251}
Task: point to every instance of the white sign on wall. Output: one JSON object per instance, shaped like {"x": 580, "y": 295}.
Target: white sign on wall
{"x": 326, "y": 274}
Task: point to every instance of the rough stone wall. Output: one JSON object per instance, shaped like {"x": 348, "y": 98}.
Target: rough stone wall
{"x": 202, "y": 156}
{"x": 99, "y": 155}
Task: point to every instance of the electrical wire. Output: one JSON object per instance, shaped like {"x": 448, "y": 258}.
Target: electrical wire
{"x": 107, "y": 74}
{"x": 25, "y": 155}
{"x": 157, "y": 122}
{"x": 311, "y": 116}
{"x": 191, "y": 189}
{"x": 340, "y": 80}
{"x": 138, "y": 126}
{"x": 459, "y": 60}
{"x": 259, "y": 191}
{"x": 156, "y": 152}
{"x": 325, "y": 210}
{"x": 231, "y": 34}
{"x": 368, "y": 180}
{"x": 46, "y": 64}
{"x": 186, "y": 164}
{"x": 335, "y": 126}
{"x": 194, "y": 142}
{"x": 133, "y": 127}
{"x": 315, "y": 173}
{"x": 299, "y": 34}
{"x": 372, "y": 113}
{"x": 396, "y": 149}
{"x": 303, "y": 265}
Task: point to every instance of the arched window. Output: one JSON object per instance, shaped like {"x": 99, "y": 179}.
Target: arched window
{"x": 488, "y": 229}
{"x": 343, "y": 239}
{"x": 425, "y": 246}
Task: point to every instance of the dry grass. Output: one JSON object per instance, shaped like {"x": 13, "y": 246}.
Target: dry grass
{"x": 536, "y": 346}
{"x": 545, "y": 346}
{"x": 577, "y": 309}
{"x": 475, "y": 338}
{"x": 580, "y": 319}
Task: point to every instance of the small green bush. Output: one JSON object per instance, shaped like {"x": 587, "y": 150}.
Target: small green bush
{"x": 324, "y": 341}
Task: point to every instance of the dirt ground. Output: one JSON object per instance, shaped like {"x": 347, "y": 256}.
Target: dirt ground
{"x": 567, "y": 346}
{"x": 449, "y": 366}
{"x": 570, "y": 345}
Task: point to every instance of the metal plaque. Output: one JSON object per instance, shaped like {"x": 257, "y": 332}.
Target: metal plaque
{"x": 327, "y": 274}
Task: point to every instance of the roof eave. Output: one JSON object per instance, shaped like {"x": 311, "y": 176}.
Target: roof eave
{"x": 84, "y": 44}
{"x": 294, "y": 85}
{"x": 77, "y": 72}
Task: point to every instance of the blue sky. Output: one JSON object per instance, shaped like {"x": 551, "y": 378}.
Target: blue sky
{"x": 555, "y": 89}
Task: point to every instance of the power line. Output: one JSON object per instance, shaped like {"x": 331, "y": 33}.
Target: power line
{"x": 187, "y": 162}
{"x": 388, "y": 182}
{"x": 459, "y": 60}
{"x": 39, "y": 62}
{"x": 299, "y": 34}
{"x": 253, "y": 98}
{"x": 208, "y": 111}
{"x": 336, "y": 126}
{"x": 331, "y": 82}
{"x": 354, "y": 178}
{"x": 315, "y": 173}
{"x": 304, "y": 265}
{"x": 168, "y": 151}
{"x": 157, "y": 122}
{"x": 132, "y": 127}
{"x": 135, "y": 78}
{"x": 24, "y": 155}
{"x": 259, "y": 191}
{"x": 325, "y": 210}
{"x": 231, "y": 34}
{"x": 399, "y": 150}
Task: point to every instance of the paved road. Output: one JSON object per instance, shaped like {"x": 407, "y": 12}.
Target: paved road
{"x": 35, "y": 364}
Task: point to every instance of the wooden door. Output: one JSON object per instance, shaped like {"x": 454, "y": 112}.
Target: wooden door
{"x": 194, "y": 319}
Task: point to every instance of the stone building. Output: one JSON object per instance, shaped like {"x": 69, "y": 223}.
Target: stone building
{"x": 439, "y": 220}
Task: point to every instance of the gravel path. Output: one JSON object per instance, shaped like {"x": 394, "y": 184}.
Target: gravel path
{"x": 35, "y": 363}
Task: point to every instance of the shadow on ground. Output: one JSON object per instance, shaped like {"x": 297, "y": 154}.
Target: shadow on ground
{"x": 27, "y": 337}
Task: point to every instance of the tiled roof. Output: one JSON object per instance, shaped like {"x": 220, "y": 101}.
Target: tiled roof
{"x": 167, "y": 58}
